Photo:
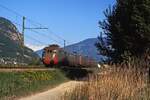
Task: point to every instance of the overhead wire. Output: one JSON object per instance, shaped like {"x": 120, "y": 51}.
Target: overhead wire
{"x": 38, "y": 33}
{"x": 36, "y": 40}
{"x": 29, "y": 37}
{"x": 31, "y": 22}
{"x": 8, "y": 9}
{"x": 45, "y": 36}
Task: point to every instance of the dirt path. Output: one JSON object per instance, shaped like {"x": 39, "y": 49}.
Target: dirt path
{"x": 55, "y": 93}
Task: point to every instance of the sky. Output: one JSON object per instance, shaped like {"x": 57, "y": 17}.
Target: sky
{"x": 70, "y": 20}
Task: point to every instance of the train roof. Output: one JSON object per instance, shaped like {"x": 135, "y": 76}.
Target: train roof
{"x": 52, "y": 47}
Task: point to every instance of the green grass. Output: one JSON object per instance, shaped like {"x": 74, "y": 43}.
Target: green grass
{"x": 16, "y": 84}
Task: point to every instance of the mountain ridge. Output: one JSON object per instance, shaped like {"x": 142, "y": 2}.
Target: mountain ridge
{"x": 87, "y": 48}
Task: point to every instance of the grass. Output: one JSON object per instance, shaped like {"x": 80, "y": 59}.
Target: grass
{"x": 21, "y": 66}
{"x": 119, "y": 82}
{"x": 16, "y": 84}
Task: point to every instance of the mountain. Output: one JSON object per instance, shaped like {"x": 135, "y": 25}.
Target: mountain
{"x": 39, "y": 52}
{"x": 10, "y": 47}
{"x": 85, "y": 47}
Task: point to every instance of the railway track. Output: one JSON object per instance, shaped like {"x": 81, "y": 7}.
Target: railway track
{"x": 11, "y": 69}
{"x": 30, "y": 68}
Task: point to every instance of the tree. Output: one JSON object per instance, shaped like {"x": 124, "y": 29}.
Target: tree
{"x": 127, "y": 28}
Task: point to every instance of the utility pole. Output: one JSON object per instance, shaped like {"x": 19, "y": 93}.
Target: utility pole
{"x": 22, "y": 38}
{"x": 64, "y": 44}
{"x": 23, "y": 32}
{"x": 65, "y": 48}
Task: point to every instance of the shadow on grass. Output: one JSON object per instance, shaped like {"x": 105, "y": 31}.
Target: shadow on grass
{"x": 76, "y": 73}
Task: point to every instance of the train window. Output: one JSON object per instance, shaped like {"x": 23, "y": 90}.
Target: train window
{"x": 55, "y": 51}
{"x": 49, "y": 51}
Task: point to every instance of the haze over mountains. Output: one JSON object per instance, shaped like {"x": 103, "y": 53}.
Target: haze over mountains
{"x": 10, "y": 40}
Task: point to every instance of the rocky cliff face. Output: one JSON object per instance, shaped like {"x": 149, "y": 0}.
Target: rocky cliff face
{"x": 10, "y": 40}
{"x": 9, "y": 30}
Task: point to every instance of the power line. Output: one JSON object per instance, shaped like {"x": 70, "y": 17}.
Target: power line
{"x": 18, "y": 14}
{"x": 8, "y": 9}
{"x": 48, "y": 29}
{"x": 38, "y": 33}
{"x": 26, "y": 35}
{"x": 31, "y": 29}
{"x": 32, "y": 22}
{"x": 36, "y": 40}
{"x": 46, "y": 36}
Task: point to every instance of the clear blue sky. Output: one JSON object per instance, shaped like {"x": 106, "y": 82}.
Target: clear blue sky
{"x": 74, "y": 20}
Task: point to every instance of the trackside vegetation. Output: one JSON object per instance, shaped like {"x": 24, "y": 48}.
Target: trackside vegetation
{"x": 126, "y": 81}
{"x": 17, "y": 84}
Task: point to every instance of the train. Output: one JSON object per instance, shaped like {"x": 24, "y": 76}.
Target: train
{"x": 53, "y": 55}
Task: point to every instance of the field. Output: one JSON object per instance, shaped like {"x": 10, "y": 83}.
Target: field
{"x": 119, "y": 82}
{"x": 17, "y": 84}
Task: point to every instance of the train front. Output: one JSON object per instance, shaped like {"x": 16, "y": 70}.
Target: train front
{"x": 50, "y": 55}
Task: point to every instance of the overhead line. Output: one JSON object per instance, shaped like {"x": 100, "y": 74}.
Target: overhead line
{"x": 27, "y": 36}
{"x": 8, "y": 9}
{"x": 31, "y": 29}
{"x": 31, "y": 21}
{"x": 36, "y": 40}
{"x": 46, "y": 36}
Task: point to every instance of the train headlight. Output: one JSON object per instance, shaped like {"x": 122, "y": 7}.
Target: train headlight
{"x": 98, "y": 65}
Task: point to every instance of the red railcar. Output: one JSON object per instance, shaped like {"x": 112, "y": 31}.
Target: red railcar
{"x": 54, "y": 55}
